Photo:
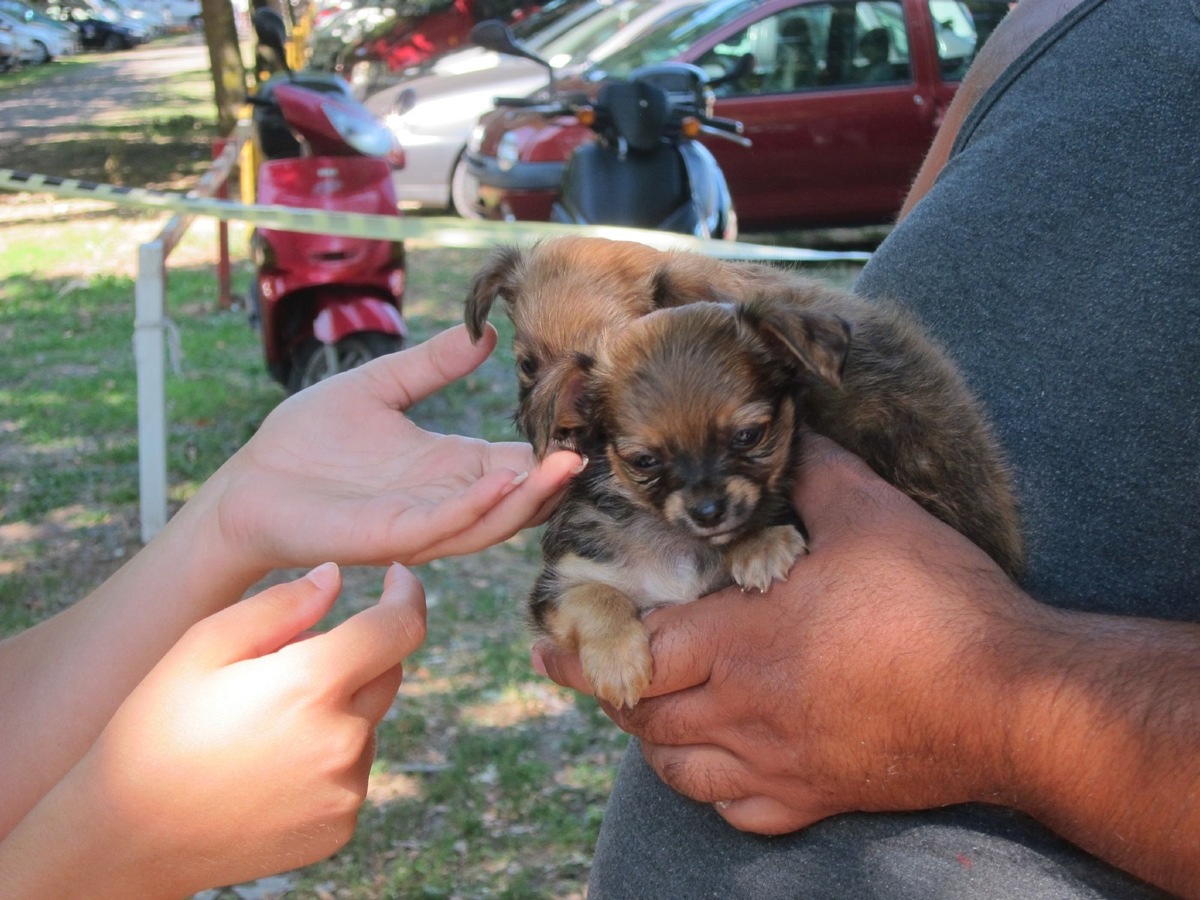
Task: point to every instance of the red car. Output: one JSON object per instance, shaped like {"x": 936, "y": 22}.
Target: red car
{"x": 841, "y": 105}
{"x": 420, "y": 31}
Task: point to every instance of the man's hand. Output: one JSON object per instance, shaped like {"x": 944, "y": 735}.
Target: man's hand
{"x": 898, "y": 669}
{"x": 842, "y": 688}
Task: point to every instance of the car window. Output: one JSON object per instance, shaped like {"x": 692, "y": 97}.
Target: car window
{"x": 815, "y": 46}
{"x": 669, "y": 39}
{"x": 962, "y": 27}
{"x": 573, "y": 46}
{"x": 546, "y": 18}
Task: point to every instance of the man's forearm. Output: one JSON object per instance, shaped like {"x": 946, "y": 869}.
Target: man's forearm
{"x": 1106, "y": 750}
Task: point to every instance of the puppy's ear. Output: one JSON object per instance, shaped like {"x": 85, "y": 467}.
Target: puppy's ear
{"x": 681, "y": 279}
{"x": 557, "y": 407}
{"x": 498, "y": 278}
{"x": 819, "y": 341}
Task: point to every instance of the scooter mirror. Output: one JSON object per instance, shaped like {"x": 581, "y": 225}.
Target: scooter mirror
{"x": 271, "y": 33}
{"x": 494, "y": 35}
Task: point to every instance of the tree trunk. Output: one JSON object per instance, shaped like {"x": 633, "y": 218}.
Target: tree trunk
{"x": 225, "y": 56}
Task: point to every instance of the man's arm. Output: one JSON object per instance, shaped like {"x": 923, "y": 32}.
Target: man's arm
{"x": 899, "y": 669}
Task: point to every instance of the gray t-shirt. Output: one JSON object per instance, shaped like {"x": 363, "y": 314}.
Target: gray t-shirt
{"x": 1056, "y": 259}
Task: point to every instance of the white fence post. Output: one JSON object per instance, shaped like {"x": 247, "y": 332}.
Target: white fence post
{"x": 150, "y": 358}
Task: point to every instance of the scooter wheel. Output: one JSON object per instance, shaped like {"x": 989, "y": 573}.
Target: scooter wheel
{"x": 314, "y": 361}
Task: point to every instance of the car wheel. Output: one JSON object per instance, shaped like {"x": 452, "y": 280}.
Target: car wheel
{"x": 41, "y": 54}
{"x": 315, "y": 361}
{"x": 464, "y": 190}
{"x": 112, "y": 43}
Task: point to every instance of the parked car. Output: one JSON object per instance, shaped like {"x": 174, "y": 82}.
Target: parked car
{"x": 841, "y": 104}
{"x": 432, "y": 115}
{"x": 344, "y": 29}
{"x": 62, "y": 39}
{"x": 36, "y": 43}
{"x": 420, "y": 31}
{"x": 8, "y": 48}
{"x": 142, "y": 13}
{"x": 99, "y": 28}
{"x": 182, "y": 15}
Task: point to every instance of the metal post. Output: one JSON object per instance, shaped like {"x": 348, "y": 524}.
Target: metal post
{"x": 224, "y": 269}
{"x": 150, "y": 358}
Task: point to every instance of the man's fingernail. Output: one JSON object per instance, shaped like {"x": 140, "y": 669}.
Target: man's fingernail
{"x": 324, "y": 575}
{"x": 582, "y": 465}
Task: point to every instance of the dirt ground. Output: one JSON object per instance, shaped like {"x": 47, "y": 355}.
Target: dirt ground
{"x": 112, "y": 83}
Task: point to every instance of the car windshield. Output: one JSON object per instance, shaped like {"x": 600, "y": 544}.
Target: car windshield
{"x": 546, "y": 18}
{"x": 574, "y": 46}
{"x": 673, "y": 36}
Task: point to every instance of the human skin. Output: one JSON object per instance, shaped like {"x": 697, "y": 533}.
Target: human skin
{"x": 337, "y": 472}
{"x": 245, "y": 751}
{"x": 899, "y": 669}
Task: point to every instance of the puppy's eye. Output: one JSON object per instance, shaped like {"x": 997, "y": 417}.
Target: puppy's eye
{"x": 528, "y": 366}
{"x": 645, "y": 462}
{"x": 745, "y": 438}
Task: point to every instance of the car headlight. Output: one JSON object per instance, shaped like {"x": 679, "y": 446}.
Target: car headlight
{"x": 475, "y": 140}
{"x": 508, "y": 151}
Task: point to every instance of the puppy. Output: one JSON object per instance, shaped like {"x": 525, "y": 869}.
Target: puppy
{"x": 689, "y": 421}
{"x": 565, "y": 294}
{"x": 901, "y": 404}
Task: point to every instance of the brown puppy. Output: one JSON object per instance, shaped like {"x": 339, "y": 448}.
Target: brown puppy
{"x": 564, "y": 295}
{"x": 901, "y": 405}
{"x": 690, "y": 426}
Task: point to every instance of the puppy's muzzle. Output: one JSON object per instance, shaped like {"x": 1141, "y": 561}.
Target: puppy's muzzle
{"x": 707, "y": 511}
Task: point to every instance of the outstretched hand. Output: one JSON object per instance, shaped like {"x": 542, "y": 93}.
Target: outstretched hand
{"x": 339, "y": 472}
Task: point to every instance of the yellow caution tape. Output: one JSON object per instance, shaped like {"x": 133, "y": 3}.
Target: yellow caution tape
{"x": 447, "y": 231}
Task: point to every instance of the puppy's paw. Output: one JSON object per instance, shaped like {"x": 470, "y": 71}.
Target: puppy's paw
{"x": 765, "y": 557}
{"x": 619, "y": 666}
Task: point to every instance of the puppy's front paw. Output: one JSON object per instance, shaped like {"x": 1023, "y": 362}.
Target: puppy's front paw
{"x": 619, "y": 666}
{"x": 756, "y": 561}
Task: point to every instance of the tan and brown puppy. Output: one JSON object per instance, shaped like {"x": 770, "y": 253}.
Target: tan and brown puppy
{"x": 901, "y": 404}
{"x": 565, "y": 295}
{"x": 690, "y": 426}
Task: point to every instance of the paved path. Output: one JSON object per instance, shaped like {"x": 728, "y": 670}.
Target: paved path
{"x": 112, "y": 82}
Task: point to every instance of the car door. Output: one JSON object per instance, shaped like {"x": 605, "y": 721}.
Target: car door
{"x": 833, "y": 105}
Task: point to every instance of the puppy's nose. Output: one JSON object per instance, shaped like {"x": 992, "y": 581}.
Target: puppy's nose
{"x": 707, "y": 511}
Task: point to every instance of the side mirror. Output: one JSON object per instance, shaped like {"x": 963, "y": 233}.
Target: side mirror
{"x": 271, "y": 32}
{"x": 494, "y": 35}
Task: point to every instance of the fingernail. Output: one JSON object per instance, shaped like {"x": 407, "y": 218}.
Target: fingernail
{"x": 324, "y": 575}
{"x": 582, "y": 465}
{"x": 514, "y": 484}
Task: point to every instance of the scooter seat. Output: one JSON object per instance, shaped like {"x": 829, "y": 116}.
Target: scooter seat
{"x": 642, "y": 190}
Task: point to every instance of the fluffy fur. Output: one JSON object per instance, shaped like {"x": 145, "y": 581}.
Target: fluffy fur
{"x": 899, "y": 402}
{"x": 691, "y": 436}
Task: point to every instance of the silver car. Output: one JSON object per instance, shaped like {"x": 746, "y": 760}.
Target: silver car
{"x": 37, "y": 42}
{"x": 432, "y": 115}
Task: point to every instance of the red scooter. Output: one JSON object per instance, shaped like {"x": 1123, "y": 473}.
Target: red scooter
{"x": 322, "y": 303}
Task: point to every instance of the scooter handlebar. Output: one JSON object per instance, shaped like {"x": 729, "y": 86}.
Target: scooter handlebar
{"x": 727, "y": 129}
